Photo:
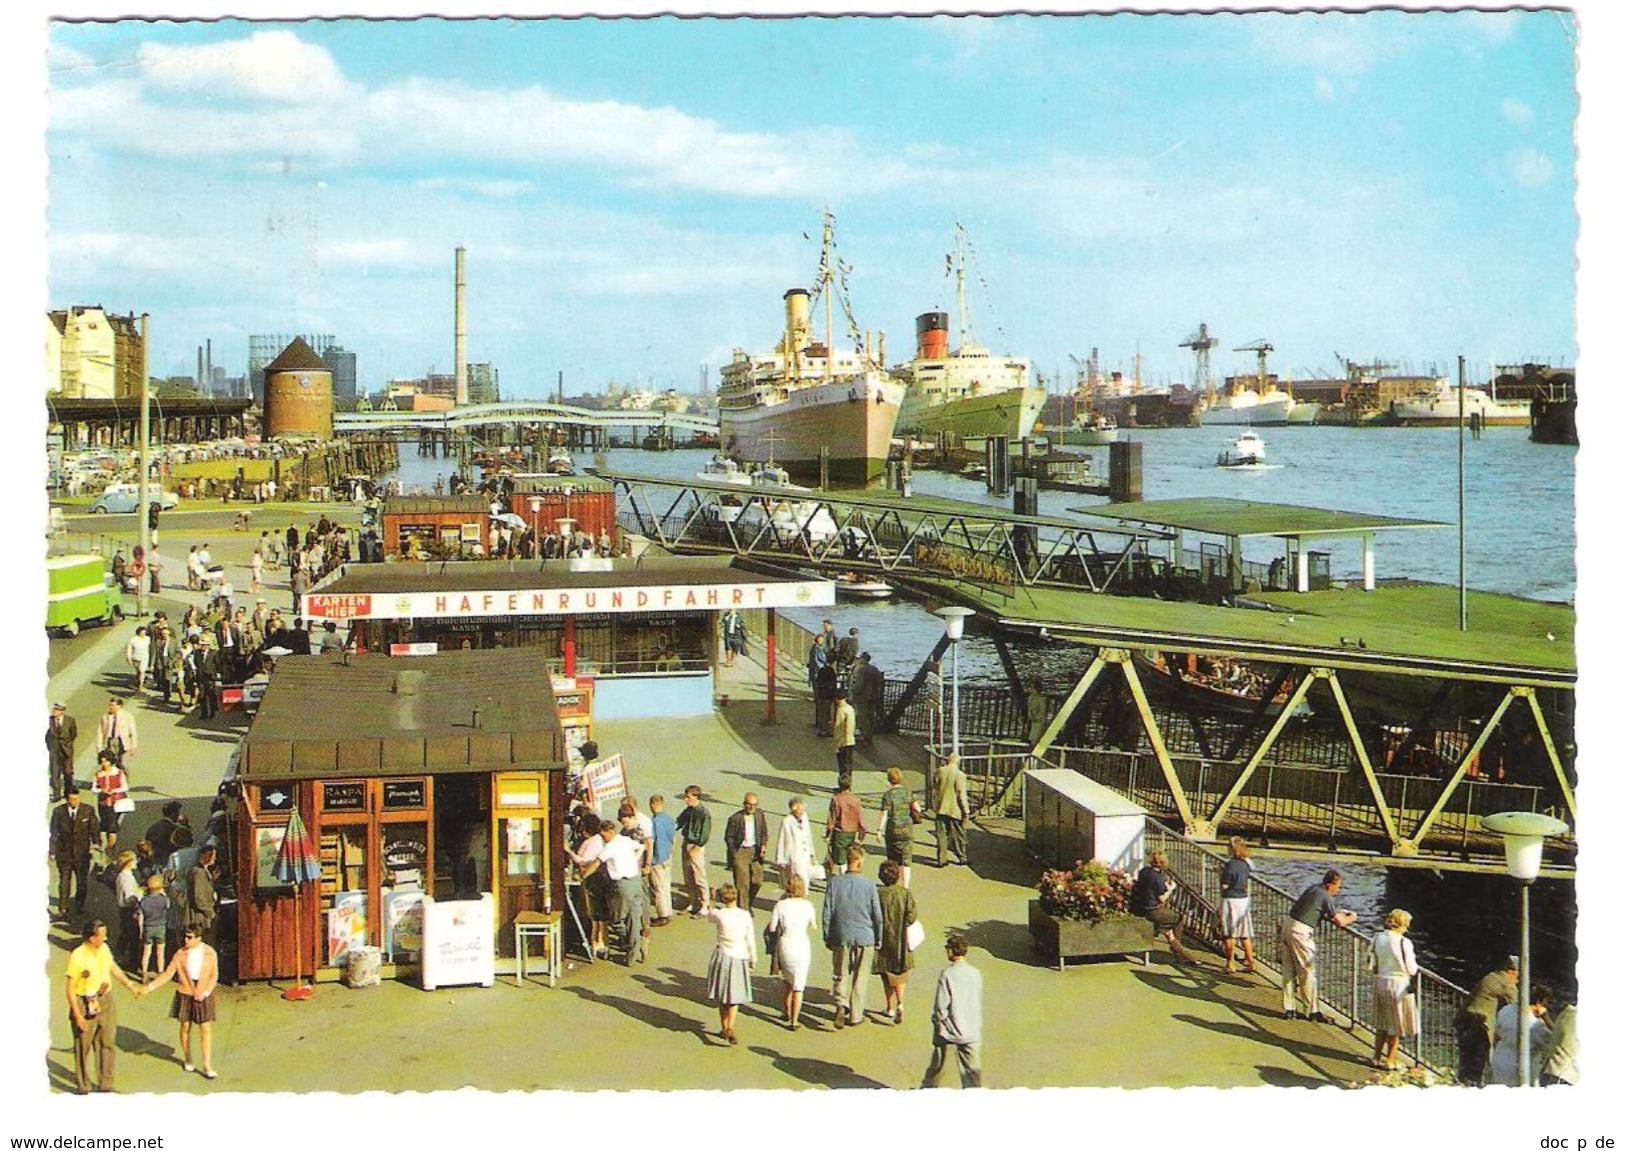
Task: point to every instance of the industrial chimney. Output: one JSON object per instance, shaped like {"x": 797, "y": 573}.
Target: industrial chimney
{"x": 462, "y": 336}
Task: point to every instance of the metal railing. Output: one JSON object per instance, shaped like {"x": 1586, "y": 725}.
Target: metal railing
{"x": 1343, "y": 981}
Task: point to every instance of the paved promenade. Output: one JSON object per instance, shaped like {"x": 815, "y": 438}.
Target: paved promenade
{"x": 1105, "y": 1024}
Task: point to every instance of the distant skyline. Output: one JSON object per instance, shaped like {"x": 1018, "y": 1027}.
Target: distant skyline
{"x": 635, "y": 196}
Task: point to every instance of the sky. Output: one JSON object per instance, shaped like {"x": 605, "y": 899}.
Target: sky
{"x": 636, "y": 195}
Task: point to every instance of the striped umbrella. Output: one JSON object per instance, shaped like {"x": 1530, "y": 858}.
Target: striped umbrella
{"x": 296, "y": 863}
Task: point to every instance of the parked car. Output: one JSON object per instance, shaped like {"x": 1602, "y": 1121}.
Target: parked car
{"x": 121, "y": 499}
{"x": 79, "y": 590}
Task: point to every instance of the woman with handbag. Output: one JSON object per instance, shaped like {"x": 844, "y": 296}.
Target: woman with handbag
{"x": 1392, "y": 959}
{"x": 113, "y": 800}
{"x": 894, "y": 958}
{"x": 793, "y": 850}
{"x": 793, "y": 917}
{"x": 899, "y": 812}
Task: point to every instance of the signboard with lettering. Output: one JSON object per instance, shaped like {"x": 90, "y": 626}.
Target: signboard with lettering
{"x": 605, "y": 780}
{"x": 414, "y": 648}
{"x": 459, "y": 942}
{"x": 405, "y": 794}
{"x": 663, "y": 598}
{"x": 344, "y": 796}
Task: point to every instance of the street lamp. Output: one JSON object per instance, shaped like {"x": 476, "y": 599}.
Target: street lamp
{"x": 953, "y": 625}
{"x": 1524, "y": 835}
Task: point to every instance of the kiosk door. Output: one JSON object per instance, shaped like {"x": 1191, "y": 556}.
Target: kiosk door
{"x": 521, "y": 865}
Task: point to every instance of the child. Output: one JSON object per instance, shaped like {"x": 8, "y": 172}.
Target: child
{"x": 154, "y": 922}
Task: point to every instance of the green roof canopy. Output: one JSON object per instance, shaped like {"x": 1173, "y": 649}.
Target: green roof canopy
{"x": 1241, "y": 518}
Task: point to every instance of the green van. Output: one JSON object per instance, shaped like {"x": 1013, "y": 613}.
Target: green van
{"x": 79, "y": 590}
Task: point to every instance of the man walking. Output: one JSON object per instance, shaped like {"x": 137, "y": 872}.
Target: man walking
{"x": 1318, "y": 903}
{"x": 61, "y": 733}
{"x": 852, "y": 926}
{"x": 693, "y": 824}
{"x": 844, "y": 732}
{"x": 952, "y": 804}
{"x": 746, "y": 839}
{"x": 207, "y": 665}
{"x": 956, "y": 1018}
{"x": 845, "y": 824}
{"x": 299, "y": 583}
{"x": 116, "y": 732}
{"x": 868, "y": 693}
{"x": 662, "y": 834}
{"x": 91, "y": 973}
{"x": 74, "y": 829}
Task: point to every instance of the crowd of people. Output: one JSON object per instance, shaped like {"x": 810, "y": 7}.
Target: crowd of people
{"x": 623, "y": 867}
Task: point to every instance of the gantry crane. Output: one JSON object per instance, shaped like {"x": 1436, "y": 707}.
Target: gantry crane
{"x": 1263, "y": 348}
{"x": 1202, "y": 342}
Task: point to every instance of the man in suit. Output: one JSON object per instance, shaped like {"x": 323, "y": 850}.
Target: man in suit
{"x": 208, "y": 679}
{"x": 746, "y": 838}
{"x": 952, "y": 806}
{"x": 61, "y": 733}
{"x": 846, "y": 655}
{"x": 817, "y": 662}
{"x": 228, "y": 640}
{"x": 852, "y": 926}
{"x": 1475, "y": 1021}
{"x": 201, "y": 904}
{"x": 115, "y": 732}
{"x": 868, "y": 692}
{"x": 74, "y": 829}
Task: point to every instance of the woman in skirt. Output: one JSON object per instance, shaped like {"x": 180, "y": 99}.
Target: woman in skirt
{"x": 728, "y": 981}
{"x": 195, "y": 970}
{"x": 793, "y": 918}
{"x": 1393, "y": 960}
{"x": 1235, "y": 906}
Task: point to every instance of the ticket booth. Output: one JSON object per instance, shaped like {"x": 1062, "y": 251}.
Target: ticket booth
{"x": 439, "y": 776}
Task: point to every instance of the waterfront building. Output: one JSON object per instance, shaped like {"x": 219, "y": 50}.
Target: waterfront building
{"x": 262, "y": 349}
{"x": 92, "y": 354}
{"x": 298, "y": 394}
{"x": 341, "y": 364}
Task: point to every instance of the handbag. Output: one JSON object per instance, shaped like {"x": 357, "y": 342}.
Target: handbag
{"x": 916, "y": 935}
{"x": 124, "y": 805}
{"x": 815, "y": 871}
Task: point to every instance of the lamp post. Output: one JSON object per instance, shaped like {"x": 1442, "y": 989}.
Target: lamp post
{"x": 953, "y": 624}
{"x": 1524, "y": 835}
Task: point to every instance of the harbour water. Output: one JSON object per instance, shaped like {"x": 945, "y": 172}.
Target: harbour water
{"x": 1519, "y": 541}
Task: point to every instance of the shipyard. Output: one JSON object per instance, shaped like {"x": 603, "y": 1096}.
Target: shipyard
{"x": 722, "y": 592}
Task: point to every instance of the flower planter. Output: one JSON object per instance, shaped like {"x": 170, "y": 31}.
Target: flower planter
{"x": 1063, "y": 939}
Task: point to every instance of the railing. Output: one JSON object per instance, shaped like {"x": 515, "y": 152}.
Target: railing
{"x": 1342, "y": 979}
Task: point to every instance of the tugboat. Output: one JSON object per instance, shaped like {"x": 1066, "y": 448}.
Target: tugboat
{"x": 1245, "y": 451}
{"x": 1094, "y": 429}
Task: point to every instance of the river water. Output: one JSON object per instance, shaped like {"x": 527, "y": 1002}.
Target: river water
{"x": 1519, "y": 541}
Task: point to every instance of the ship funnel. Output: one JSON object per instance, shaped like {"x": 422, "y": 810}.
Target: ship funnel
{"x": 931, "y": 335}
{"x": 797, "y": 319}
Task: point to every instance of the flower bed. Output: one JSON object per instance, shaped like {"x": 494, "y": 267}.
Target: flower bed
{"x": 1084, "y": 913}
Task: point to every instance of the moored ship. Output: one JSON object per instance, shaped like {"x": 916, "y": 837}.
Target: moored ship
{"x": 969, "y": 391}
{"x": 1260, "y": 409}
{"x": 1444, "y": 403}
{"x": 804, "y": 399}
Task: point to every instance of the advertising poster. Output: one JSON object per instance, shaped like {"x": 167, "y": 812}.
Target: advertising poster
{"x": 346, "y": 925}
{"x": 403, "y": 925}
{"x": 605, "y": 780}
{"x": 267, "y": 842}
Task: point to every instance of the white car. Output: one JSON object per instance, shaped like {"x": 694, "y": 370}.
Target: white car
{"x": 121, "y": 499}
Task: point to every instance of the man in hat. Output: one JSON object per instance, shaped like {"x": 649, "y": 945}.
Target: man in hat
{"x": 1475, "y": 1021}
{"x": 60, "y": 735}
{"x": 74, "y": 830}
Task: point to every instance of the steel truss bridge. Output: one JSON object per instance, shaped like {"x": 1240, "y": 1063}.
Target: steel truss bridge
{"x": 471, "y": 416}
{"x": 883, "y": 533}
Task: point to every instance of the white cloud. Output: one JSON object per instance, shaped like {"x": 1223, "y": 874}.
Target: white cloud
{"x": 1516, "y": 112}
{"x": 1341, "y": 43}
{"x": 1492, "y": 27}
{"x": 1529, "y": 167}
{"x": 1324, "y": 89}
{"x": 272, "y": 66}
{"x": 62, "y": 59}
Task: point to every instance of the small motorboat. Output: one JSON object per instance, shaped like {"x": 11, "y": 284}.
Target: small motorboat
{"x": 722, "y": 470}
{"x": 852, "y": 585}
{"x": 1094, "y": 429}
{"x": 1245, "y": 451}
{"x": 559, "y": 462}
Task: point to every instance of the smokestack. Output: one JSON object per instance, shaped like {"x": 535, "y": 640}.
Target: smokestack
{"x": 208, "y": 365}
{"x": 200, "y": 390}
{"x": 462, "y": 336}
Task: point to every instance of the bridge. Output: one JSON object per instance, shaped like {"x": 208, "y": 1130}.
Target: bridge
{"x": 472, "y": 416}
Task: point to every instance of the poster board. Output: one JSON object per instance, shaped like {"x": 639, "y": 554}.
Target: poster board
{"x": 267, "y": 842}
{"x": 403, "y": 925}
{"x": 346, "y": 926}
{"x": 605, "y": 780}
{"x": 459, "y": 942}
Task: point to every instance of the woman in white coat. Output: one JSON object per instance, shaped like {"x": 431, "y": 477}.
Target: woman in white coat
{"x": 793, "y": 917}
{"x": 793, "y": 852}
{"x": 1392, "y": 960}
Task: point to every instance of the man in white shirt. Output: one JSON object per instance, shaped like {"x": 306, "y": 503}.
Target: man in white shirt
{"x": 622, "y": 857}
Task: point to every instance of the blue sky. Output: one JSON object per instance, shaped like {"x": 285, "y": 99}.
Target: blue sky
{"x": 634, "y": 194}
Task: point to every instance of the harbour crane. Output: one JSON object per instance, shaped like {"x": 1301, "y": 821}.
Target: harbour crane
{"x": 1202, "y": 342}
{"x": 1263, "y": 348}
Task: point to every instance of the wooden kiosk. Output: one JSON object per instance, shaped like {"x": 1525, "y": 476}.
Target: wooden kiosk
{"x": 439, "y": 775}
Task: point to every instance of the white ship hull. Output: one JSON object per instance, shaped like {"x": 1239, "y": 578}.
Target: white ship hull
{"x": 1444, "y": 406}
{"x": 853, "y": 417}
{"x": 1249, "y": 409}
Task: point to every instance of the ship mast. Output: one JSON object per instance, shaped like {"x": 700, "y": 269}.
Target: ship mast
{"x": 824, "y": 273}
{"x": 959, "y": 276}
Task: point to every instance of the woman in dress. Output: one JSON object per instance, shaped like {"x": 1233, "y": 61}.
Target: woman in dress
{"x": 195, "y": 969}
{"x": 1235, "y": 906}
{"x": 793, "y": 916}
{"x": 728, "y": 980}
{"x": 893, "y": 959}
{"x": 137, "y": 653}
{"x": 897, "y": 822}
{"x": 112, "y": 788}
{"x": 793, "y": 850}
{"x": 1392, "y": 960}
{"x": 1504, "y": 1057}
